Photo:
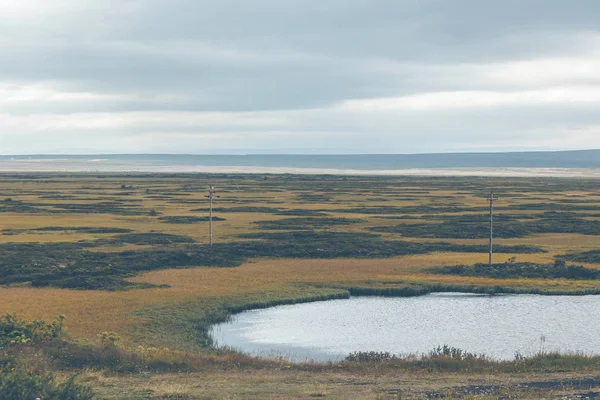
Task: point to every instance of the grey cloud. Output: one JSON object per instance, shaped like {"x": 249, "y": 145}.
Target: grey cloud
{"x": 296, "y": 60}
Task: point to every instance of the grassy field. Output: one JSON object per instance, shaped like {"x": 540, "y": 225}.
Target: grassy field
{"x": 129, "y": 254}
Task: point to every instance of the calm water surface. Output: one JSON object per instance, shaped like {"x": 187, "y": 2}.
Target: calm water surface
{"x": 498, "y": 326}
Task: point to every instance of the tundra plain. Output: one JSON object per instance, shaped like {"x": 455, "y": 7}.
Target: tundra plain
{"x": 128, "y": 254}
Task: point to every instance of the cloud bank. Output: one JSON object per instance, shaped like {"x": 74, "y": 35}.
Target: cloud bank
{"x": 298, "y": 76}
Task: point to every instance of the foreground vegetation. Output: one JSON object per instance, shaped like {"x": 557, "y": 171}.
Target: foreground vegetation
{"x": 43, "y": 363}
{"x": 126, "y": 257}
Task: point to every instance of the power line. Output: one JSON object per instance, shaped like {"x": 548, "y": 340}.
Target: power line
{"x": 491, "y": 200}
{"x": 211, "y": 195}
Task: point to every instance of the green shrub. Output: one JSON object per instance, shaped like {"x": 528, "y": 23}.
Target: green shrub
{"x": 370, "y": 356}
{"x": 18, "y": 383}
{"x": 15, "y": 331}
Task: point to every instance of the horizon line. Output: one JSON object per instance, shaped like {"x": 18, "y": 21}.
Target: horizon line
{"x": 298, "y": 154}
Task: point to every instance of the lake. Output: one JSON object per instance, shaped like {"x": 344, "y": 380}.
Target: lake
{"x": 498, "y": 326}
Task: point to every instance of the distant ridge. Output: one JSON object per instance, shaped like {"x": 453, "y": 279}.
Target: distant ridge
{"x": 532, "y": 159}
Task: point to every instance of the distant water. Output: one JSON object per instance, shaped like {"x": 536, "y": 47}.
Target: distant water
{"x": 576, "y": 163}
{"x": 499, "y": 326}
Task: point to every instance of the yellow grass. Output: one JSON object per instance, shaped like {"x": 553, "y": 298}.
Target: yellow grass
{"x": 90, "y": 312}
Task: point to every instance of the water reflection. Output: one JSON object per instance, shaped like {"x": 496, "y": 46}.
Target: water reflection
{"x": 498, "y": 326}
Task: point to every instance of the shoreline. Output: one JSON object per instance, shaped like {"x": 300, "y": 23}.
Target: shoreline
{"x": 64, "y": 166}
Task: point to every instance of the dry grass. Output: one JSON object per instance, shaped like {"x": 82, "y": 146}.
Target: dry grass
{"x": 90, "y": 312}
{"x": 293, "y": 384}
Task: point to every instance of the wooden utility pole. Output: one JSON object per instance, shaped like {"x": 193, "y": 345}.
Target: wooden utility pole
{"x": 491, "y": 199}
{"x": 211, "y": 195}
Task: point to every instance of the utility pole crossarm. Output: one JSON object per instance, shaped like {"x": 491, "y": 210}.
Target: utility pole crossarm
{"x": 491, "y": 200}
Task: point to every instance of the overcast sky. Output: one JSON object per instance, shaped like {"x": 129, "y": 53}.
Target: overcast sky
{"x": 298, "y": 76}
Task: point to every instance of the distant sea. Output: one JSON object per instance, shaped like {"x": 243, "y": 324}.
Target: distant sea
{"x": 584, "y": 163}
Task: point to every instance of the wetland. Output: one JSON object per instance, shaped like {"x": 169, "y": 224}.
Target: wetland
{"x": 125, "y": 258}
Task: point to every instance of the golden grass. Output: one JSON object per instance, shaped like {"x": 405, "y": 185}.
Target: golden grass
{"x": 90, "y": 312}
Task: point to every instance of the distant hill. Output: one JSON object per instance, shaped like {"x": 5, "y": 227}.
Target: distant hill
{"x": 537, "y": 159}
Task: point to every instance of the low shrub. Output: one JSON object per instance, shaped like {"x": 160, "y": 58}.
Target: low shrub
{"x": 521, "y": 270}
{"x": 592, "y": 257}
{"x": 15, "y": 331}
{"x": 370, "y": 356}
{"x": 18, "y": 383}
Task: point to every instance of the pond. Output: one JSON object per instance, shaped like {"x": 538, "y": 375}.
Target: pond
{"x": 499, "y": 326}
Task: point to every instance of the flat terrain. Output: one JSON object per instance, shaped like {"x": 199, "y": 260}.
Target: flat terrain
{"x": 335, "y": 385}
{"x": 129, "y": 254}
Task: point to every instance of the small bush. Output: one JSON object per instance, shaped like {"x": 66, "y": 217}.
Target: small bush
{"x": 370, "y": 356}
{"x": 451, "y": 352}
{"x": 18, "y": 383}
{"x": 15, "y": 331}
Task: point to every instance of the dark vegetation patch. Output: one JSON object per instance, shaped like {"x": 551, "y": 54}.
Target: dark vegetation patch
{"x": 150, "y": 238}
{"x": 313, "y": 198}
{"x": 482, "y": 218}
{"x": 160, "y": 197}
{"x": 307, "y": 235}
{"x": 396, "y": 217}
{"x": 109, "y": 207}
{"x": 421, "y": 209}
{"x": 72, "y": 265}
{"x": 111, "y": 283}
{"x": 521, "y": 270}
{"x": 242, "y": 209}
{"x": 544, "y": 206}
{"x": 98, "y": 208}
{"x": 249, "y": 201}
{"x": 302, "y": 213}
{"x": 592, "y": 257}
{"x": 10, "y": 205}
{"x": 302, "y": 223}
{"x": 77, "y": 229}
{"x": 186, "y": 219}
{"x": 582, "y": 200}
{"x": 58, "y": 197}
{"x": 452, "y": 230}
{"x": 81, "y": 229}
{"x": 505, "y": 226}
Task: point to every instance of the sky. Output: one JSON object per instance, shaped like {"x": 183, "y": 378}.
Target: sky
{"x": 298, "y": 76}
